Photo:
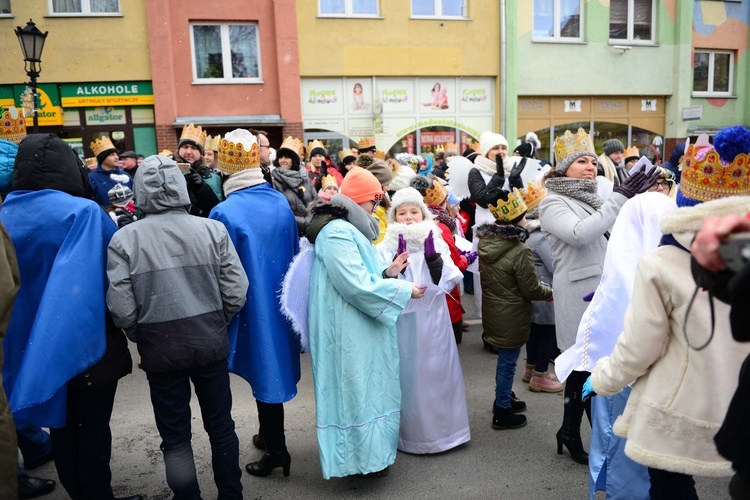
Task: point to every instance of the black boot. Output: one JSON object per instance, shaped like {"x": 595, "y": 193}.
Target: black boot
{"x": 32, "y": 487}
{"x": 269, "y": 462}
{"x": 259, "y": 442}
{"x": 570, "y": 432}
{"x": 516, "y": 404}
{"x": 506, "y": 418}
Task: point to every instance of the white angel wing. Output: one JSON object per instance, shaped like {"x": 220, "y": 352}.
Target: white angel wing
{"x": 295, "y": 291}
{"x": 458, "y": 176}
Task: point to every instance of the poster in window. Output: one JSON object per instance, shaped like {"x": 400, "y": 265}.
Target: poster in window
{"x": 475, "y": 95}
{"x": 322, "y": 97}
{"x": 359, "y": 91}
{"x": 437, "y": 95}
{"x": 396, "y": 95}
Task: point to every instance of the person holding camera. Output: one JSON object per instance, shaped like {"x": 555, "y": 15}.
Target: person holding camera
{"x": 674, "y": 347}
{"x": 199, "y": 176}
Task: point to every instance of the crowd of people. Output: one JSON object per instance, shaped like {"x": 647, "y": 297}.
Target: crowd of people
{"x": 184, "y": 254}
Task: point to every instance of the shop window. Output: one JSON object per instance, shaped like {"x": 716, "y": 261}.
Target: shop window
{"x": 348, "y": 8}
{"x": 4, "y": 8}
{"x": 225, "y": 53}
{"x": 438, "y": 8}
{"x": 544, "y": 151}
{"x": 649, "y": 144}
{"x": 713, "y": 71}
{"x": 631, "y": 21}
{"x": 84, "y": 7}
{"x": 604, "y": 131}
{"x": 558, "y": 20}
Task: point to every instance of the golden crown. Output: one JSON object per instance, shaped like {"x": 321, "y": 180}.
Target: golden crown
{"x": 192, "y": 133}
{"x": 12, "y": 125}
{"x": 100, "y": 145}
{"x": 511, "y": 209}
{"x": 90, "y": 162}
{"x": 440, "y": 149}
{"x": 436, "y": 194}
{"x": 366, "y": 142}
{"x": 294, "y": 144}
{"x": 212, "y": 143}
{"x": 706, "y": 177}
{"x": 328, "y": 180}
{"x": 569, "y": 143}
{"x": 631, "y": 152}
{"x": 344, "y": 153}
{"x": 451, "y": 147}
{"x": 314, "y": 144}
{"x": 380, "y": 155}
{"x": 533, "y": 194}
{"x": 234, "y": 158}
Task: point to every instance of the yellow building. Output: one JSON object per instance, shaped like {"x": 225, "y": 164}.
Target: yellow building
{"x": 96, "y": 71}
{"x": 415, "y": 74}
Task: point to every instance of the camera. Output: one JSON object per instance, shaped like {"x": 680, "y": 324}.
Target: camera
{"x": 736, "y": 251}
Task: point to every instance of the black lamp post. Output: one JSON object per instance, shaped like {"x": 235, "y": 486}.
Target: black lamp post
{"x": 32, "y": 44}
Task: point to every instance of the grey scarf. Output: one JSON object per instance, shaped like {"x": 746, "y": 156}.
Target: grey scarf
{"x": 292, "y": 178}
{"x": 356, "y": 216}
{"x": 580, "y": 189}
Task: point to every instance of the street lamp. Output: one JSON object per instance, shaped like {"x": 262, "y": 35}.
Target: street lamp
{"x": 32, "y": 44}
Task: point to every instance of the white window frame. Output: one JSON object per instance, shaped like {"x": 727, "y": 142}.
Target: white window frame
{"x": 711, "y": 65}
{"x": 629, "y": 39}
{"x": 9, "y": 14}
{"x": 225, "y": 51}
{"x": 439, "y": 11}
{"x": 85, "y": 11}
{"x": 349, "y": 11}
{"x": 556, "y": 20}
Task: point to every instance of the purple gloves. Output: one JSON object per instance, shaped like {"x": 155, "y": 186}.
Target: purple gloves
{"x": 429, "y": 246}
{"x": 470, "y": 256}
{"x": 401, "y": 245}
{"x": 589, "y": 296}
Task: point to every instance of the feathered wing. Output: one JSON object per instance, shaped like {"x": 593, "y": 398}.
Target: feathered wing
{"x": 458, "y": 176}
{"x": 295, "y": 292}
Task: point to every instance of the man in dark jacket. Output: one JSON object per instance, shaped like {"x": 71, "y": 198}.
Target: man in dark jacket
{"x": 190, "y": 150}
{"x": 175, "y": 281}
{"x": 63, "y": 356}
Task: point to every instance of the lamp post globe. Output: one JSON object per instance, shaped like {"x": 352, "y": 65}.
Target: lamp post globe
{"x": 32, "y": 45}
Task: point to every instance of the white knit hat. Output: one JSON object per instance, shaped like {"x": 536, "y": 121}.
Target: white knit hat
{"x": 407, "y": 196}
{"x": 488, "y": 140}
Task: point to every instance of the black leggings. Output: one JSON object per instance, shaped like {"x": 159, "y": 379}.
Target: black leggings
{"x": 541, "y": 346}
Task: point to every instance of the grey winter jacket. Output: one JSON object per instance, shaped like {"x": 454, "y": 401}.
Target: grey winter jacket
{"x": 542, "y": 312}
{"x": 175, "y": 280}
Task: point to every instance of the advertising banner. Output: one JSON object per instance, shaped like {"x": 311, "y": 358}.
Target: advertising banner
{"x": 437, "y": 95}
{"x": 475, "y": 95}
{"x": 396, "y": 95}
{"x": 106, "y": 94}
{"x": 322, "y": 97}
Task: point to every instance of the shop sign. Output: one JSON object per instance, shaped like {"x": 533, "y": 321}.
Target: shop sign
{"x": 102, "y": 116}
{"x": 360, "y": 127}
{"x": 572, "y": 105}
{"x": 49, "y": 113}
{"x": 648, "y": 104}
{"x": 322, "y": 97}
{"x": 611, "y": 106}
{"x": 396, "y": 95}
{"x": 435, "y": 138}
{"x": 475, "y": 95}
{"x": 6, "y": 96}
{"x": 107, "y": 94}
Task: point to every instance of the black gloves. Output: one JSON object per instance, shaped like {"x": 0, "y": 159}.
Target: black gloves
{"x": 637, "y": 183}
{"x": 123, "y": 217}
{"x": 194, "y": 179}
{"x": 515, "y": 175}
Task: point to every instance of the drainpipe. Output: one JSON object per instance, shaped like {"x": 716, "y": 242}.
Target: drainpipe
{"x": 503, "y": 68}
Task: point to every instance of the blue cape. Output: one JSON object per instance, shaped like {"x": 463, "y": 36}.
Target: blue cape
{"x": 264, "y": 350}
{"x": 57, "y": 328}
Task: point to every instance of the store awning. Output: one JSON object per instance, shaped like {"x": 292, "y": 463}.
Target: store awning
{"x": 229, "y": 121}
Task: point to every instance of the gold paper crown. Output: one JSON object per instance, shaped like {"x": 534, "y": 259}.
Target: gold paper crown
{"x": 212, "y": 143}
{"x": 314, "y": 144}
{"x": 328, "y": 180}
{"x": 440, "y": 149}
{"x": 90, "y": 162}
{"x": 12, "y": 125}
{"x": 294, "y": 144}
{"x": 234, "y": 158}
{"x": 569, "y": 143}
{"x": 533, "y": 194}
{"x": 436, "y": 194}
{"x": 366, "y": 142}
{"x": 706, "y": 177}
{"x": 344, "y": 153}
{"x": 631, "y": 152}
{"x": 100, "y": 145}
{"x": 167, "y": 153}
{"x": 511, "y": 209}
{"x": 192, "y": 133}
{"x": 380, "y": 155}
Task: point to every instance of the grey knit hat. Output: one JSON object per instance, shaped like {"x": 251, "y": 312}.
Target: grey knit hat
{"x": 613, "y": 146}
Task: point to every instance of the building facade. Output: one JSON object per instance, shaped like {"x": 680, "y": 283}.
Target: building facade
{"x": 417, "y": 75}
{"x": 96, "y": 73}
{"x": 223, "y": 65}
{"x": 647, "y": 72}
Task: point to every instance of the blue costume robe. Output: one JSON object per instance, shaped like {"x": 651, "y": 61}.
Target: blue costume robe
{"x": 57, "y": 328}
{"x": 352, "y": 316}
{"x": 263, "y": 349}
{"x": 103, "y": 180}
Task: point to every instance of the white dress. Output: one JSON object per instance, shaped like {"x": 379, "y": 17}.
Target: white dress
{"x": 434, "y": 417}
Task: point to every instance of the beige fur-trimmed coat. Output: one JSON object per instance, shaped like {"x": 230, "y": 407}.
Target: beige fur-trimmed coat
{"x": 680, "y": 395}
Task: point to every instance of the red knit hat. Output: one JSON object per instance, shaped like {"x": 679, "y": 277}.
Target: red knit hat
{"x": 361, "y": 186}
